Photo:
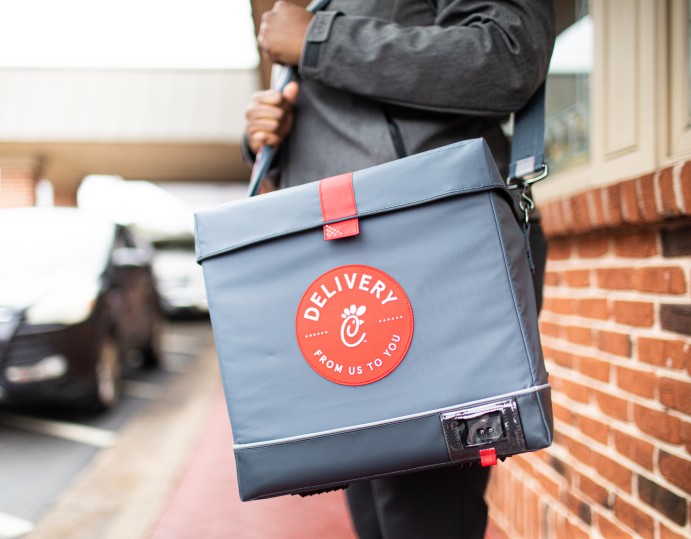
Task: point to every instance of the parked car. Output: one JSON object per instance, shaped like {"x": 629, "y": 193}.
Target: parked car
{"x": 179, "y": 278}
{"x": 77, "y": 297}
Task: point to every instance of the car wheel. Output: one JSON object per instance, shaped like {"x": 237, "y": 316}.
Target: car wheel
{"x": 107, "y": 383}
{"x": 151, "y": 353}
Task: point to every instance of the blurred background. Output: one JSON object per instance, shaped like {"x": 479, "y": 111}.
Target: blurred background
{"x": 119, "y": 119}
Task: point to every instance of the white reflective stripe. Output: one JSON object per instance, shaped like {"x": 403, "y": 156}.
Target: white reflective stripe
{"x": 83, "y": 434}
{"x": 392, "y": 420}
{"x": 525, "y": 166}
{"x": 11, "y": 526}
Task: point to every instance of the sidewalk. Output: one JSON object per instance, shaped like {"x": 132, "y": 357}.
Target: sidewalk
{"x": 206, "y": 503}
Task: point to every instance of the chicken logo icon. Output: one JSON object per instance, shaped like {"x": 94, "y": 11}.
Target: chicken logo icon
{"x": 354, "y": 325}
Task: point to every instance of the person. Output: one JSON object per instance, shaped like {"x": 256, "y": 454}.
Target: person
{"x": 381, "y": 80}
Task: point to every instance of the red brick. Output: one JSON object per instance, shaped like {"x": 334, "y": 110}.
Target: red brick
{"x": 564, "y": 206}
{"x": 580, "y": 451}
{"x": 553, "y": 220}
{"x": 664, "y": 353}
{"x": 633, "y": 313}
{"x": 577, "y": 278}
{"x": 665, "y": 186}
{"x": 579, "y": 213}
{"x": 631, "y": 212}
{"x": 662, "y": 500}
{"x": 551, "y": 278}
{"x": 634, "y": 518}
{"x": 592, "y": 308}
{"x": 613, "y": 205}
{"x": 676, "y": 470}
{"x": 664, "y": 280}
{"x": 594, "y": 368}
{"x": 559, "y": 249}
{"x": 593, "y": 245}
{"x": 613, "y": 471}
{"x": 570, "y": 530}
{"x": 548, "y": 484}
{"x": 614, "y": 407}
{"x": 666, "y": 533}
{"x": 675, "y": 394}
{"x": 615, "y": 278}
{"x": 618, "y": 344}
{"x": 686, "y": 187}
{"x": 645, "y": 188}
{"x": 579, "y": 335}
{"x": 610, "y": 530}
{"x": 686, "y": 436}
{"x": 635, "y": 381}
{"x": 593, "y": 490}
{"x": 636, "y": 244}
{"x": 549, "y": 329}
{"x": 597, "y": 430}
{"x": 565, "y": 359}
{"x": 658, "y": 424}
{"x": 634, "y": 449}
{"x": 596, "y": 209}
{"x": 559, "y": 305}
{"x": 574, "y": 391}
{"x": 563, "y": 413}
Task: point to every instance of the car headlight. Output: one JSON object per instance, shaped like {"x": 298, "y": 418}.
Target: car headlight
{"x": 46, "y": 369}
{"x": 69, "y": 306}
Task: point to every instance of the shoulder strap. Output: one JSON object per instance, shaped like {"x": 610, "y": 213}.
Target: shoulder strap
{"x": 527, "y": 147}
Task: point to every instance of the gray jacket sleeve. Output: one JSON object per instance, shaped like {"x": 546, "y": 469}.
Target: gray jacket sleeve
{"x": 478, "y": 57}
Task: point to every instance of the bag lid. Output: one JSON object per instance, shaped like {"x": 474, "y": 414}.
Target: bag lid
{"x": 460, "y": 168}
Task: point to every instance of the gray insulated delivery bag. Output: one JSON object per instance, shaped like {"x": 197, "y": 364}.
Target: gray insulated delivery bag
{"x": 376, "y": 323}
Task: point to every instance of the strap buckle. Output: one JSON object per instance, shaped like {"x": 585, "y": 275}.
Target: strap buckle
{"x": 529, "y": 179}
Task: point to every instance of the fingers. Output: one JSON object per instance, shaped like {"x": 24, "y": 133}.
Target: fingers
{"x": 290, "y": 92}
{"x": 269, "y": 116}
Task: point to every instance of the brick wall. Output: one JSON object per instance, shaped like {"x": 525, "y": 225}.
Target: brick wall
{"x": 616, "y": 327}
{"x": 17, "y": 183}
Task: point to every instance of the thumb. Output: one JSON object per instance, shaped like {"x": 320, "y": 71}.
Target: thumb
{"x": 290, "y": 92}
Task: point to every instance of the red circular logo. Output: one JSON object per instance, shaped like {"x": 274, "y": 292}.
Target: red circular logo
{"x": 354, "y": 325}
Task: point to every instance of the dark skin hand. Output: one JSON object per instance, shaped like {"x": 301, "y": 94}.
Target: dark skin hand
{"x": 269, "y": 114}
{"x": 282, "y": 32}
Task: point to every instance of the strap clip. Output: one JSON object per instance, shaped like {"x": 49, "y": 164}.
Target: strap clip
{"x": 514, "y": 182}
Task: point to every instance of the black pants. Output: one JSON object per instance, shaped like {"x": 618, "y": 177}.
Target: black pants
{"x": 444, "y": 503}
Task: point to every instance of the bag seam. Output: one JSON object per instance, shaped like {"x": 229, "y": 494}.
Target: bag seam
{"x": 516, "y": 310}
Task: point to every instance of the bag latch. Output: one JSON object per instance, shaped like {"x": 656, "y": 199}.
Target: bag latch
{"x": 483, "y": 432}
{"x": 337, "y": 200}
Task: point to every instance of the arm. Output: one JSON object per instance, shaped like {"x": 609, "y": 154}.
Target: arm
{"x": 478, "y": 57}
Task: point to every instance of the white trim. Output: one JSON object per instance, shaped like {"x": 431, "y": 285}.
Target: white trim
{"x": 534, "y": 389}
{"x": 74, "y": 432}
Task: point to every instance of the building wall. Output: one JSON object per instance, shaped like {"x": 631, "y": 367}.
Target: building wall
{"x": 616, "y": 331}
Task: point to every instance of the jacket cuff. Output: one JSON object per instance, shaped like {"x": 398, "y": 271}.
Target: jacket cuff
{"x": 318, "y": 32}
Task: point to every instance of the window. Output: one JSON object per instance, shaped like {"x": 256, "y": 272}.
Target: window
{"x": 680, "y": 78}
{"x": 567, "y": 128}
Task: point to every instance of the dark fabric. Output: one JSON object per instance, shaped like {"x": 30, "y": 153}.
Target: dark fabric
{"x": 443, "y": 503}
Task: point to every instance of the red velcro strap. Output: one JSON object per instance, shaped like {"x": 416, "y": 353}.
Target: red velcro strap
{"x": 337, "y": 202}
{"x": 488, "y": 457}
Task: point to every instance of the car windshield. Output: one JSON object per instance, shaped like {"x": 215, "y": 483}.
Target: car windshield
{"x": 52, "y": 242}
